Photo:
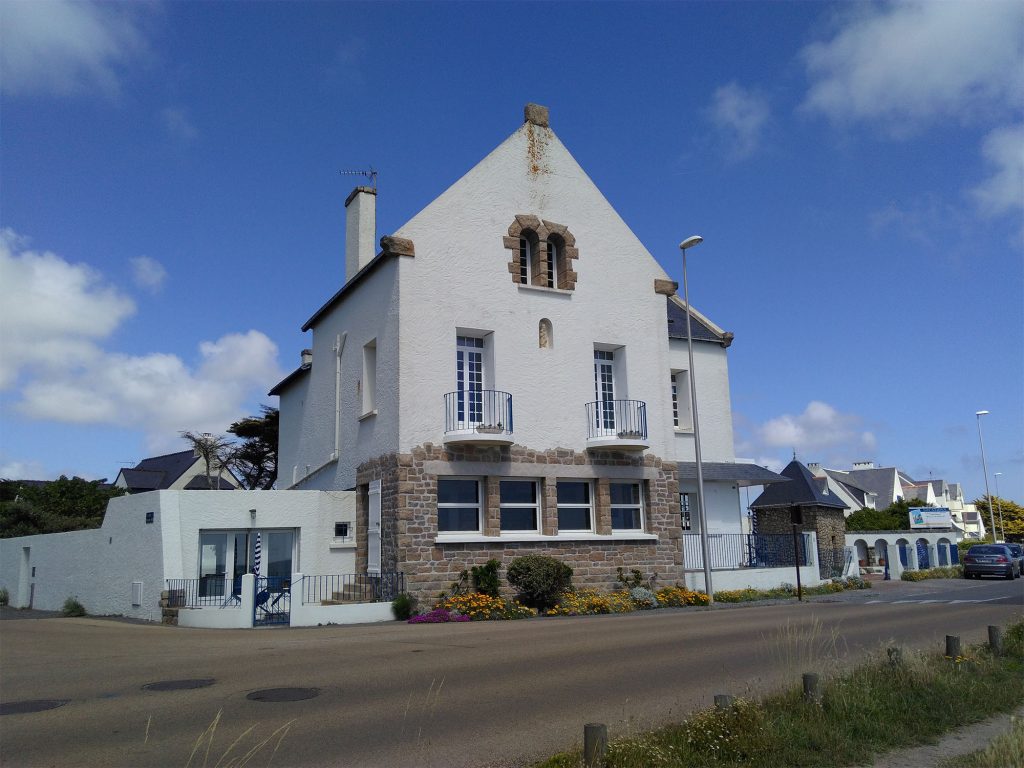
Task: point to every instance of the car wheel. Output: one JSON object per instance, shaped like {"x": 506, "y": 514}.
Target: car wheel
{"x": 1009, "y": 575}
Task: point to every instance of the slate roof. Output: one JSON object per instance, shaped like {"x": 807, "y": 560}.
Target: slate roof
{"x": 158, "y": 473}
{"x": 880, "y": 481}
{"x": 803, "y": 490}
{"x": 701, "y": 330}
{"x": 734, "y": 472}
{"x": 198, "y": 483}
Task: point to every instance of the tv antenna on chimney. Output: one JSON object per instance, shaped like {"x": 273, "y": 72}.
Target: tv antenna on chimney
{"x": 370, "y": 174}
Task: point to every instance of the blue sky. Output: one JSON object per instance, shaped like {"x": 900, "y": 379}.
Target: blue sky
{"x": 172, "y": 210}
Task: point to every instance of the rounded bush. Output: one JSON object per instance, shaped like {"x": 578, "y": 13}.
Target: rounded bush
{"x": 540, "y": 580}
{"x": 403, "y": 606}
{"x": 72, "y": 607}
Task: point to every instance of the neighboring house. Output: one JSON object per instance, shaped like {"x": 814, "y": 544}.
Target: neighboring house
{"x": 181, "y": 471}
{"x": 509, "y": 375}
{"x": 871, "y": 487}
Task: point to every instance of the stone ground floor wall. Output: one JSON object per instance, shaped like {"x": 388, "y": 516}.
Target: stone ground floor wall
{"x": 410, "y": 541}
{"x": 828, "y": 523}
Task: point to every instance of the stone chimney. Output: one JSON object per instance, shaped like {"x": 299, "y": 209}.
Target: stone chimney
{"x": 360, "y": 229}
{"x": 306, "y": 358}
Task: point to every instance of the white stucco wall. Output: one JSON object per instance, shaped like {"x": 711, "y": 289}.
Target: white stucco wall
{"x": 714, "y": 408}
{"x": 370, "y": 312}
{"x": 459, "y": 279}
{"x": 754, "y": 578}
{"x": 724, "y": 512}
{"x": 96, "y": 566}
{"x": 99, "y": 566}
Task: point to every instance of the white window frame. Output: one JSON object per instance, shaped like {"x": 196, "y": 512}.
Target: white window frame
{"x": 589, "y": 506}
{"x": 537, "y": 506}
{"x": 685, "y": 513}
{"x": 525, "y": 259}
{"x": 604, "y": 391}
{"x": 612, "y": 506}
{"x": 682, "y": 413}
{"x": 551, "y": 278}
{"x": 470, "y": 351}
{"x": 459, "y": 505}
{"x": 370, "y": 377}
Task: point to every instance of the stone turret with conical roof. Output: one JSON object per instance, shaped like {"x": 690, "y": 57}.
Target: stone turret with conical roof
{"x": 802, "y": 502}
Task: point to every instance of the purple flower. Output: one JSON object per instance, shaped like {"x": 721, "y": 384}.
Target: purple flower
{"x": 437, "y": 616}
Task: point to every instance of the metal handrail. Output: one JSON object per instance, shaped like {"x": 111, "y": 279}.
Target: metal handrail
{"x": 352, "y": 587}
{"x": 486, "y": 411}
{"x": 624, "y": 419}
{"x": 732, "y": 551}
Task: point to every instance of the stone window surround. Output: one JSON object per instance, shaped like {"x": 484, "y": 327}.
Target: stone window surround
{"x": 548, "y": 503}
{"x": 565, "y": 279}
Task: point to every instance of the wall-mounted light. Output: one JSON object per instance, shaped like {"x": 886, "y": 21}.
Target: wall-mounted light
{"x": 252, "y": 514}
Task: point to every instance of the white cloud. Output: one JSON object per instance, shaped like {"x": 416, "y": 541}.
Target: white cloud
{"x": 1002, "y": 192}
{"x": 159, "y": 393}
{"x": 820, "y": 433}
{"x": 25, "y": 470}
{"x": 54, "y": 317}
{"x": 63, "y": 47}
{"x": 739, "y": 115}
{"x": 906, "y": 63}
{"x": 178, "y": 124}
{"x": 148, "y": 273}
{"x": 52, "y": 312}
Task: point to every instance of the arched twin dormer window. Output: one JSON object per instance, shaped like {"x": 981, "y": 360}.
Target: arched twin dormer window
{"x": 543, "y": 253}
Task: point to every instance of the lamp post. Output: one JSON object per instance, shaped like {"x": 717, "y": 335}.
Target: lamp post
{"x": 999, "y": 505}
{"x": 984, "y": 468}
{"x": 705, "y": 549}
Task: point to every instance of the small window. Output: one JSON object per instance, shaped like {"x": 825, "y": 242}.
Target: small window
{"x": 529, "y": 258}
{"x": 458, "y": 505}
{"x": 626, "y": 507}
{"x": 136, "y": 594}
{"x": 341, "y": 530}
{"x": 681, "y": 418}
{"x": 149, "y": 518}
{"x": 520, "y": 509}
{"x": 551, "y": 272}
{"x": 575, "y": 506}
{"x": 369, "y": 377}
{"x": 684, "y": 511}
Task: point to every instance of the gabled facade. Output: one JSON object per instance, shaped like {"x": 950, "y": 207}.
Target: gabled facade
{"x": 507, "y": 375}
{"x": 181, "y": 471}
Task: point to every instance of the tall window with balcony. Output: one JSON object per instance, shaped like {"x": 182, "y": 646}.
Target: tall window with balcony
{"x": 604, "y": 391}
{"x": 469, "y": 381}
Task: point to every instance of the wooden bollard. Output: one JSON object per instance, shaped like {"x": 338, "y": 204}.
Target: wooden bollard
{"x": 812, "y": 691}
{"x": 995, "y": 640}
{"x": 595, "y": 744}
{"x": 724, "y": 701}
{"x": 952, "y": 646}
{"x": 895, "y": 656}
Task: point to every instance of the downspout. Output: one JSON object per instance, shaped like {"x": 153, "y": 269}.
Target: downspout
{"x": 339, "y": 346}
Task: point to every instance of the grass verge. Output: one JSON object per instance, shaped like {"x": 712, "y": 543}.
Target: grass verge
{"x": 876, "y": 707}
{"x": 1006, "y": 750}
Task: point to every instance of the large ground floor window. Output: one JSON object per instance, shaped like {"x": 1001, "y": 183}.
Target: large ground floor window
{"x": 520, "y": 505}
{"x": 458, "y": 505}
{"x": 575, "y": 505}
{"x": 225, "y": 556}
{"x": 627, "y": 506}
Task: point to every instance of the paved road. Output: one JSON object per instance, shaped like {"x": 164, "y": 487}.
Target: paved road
{"x": 494, "y": 693}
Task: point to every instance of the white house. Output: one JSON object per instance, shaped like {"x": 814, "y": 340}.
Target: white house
{"x": 508, "y": 375}
{"x": 180, "y": 471}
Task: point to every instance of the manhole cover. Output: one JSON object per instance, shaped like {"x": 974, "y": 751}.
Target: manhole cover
{"x": 179, "y": 685}
{"x": 24, "y": 707}
{"x": 284, "y": 694}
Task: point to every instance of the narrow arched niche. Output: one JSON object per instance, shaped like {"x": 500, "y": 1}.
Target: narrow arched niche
{"x": 545, "y": 334}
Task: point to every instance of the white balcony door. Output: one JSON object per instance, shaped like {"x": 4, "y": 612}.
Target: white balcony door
{"x": 604, "y": 391}
{"x": 469, "y": 381}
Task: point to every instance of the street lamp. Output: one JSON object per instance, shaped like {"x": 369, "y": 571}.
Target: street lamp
{"x": 705, "y": 549}
{"x": 999, "y": 504}
{"x": 984, "y": 468}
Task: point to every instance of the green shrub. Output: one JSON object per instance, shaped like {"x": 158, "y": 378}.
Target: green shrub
{"x": 403, "y": 606}
{"x": 72, "y": 607}
{"x": 5, "y": 596}
{"x": 952, "y": 572}
{"x": 635, "y": 579}
{"x": 540, "y": 580}
{"x": 485, "y": 578}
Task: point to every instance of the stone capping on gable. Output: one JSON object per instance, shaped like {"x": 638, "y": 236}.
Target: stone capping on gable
{"x": 397, "y": 246}
{"x": 566, "y": 277}
{"x": 536, "y": 114}
{"x": 665, "y": 287}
